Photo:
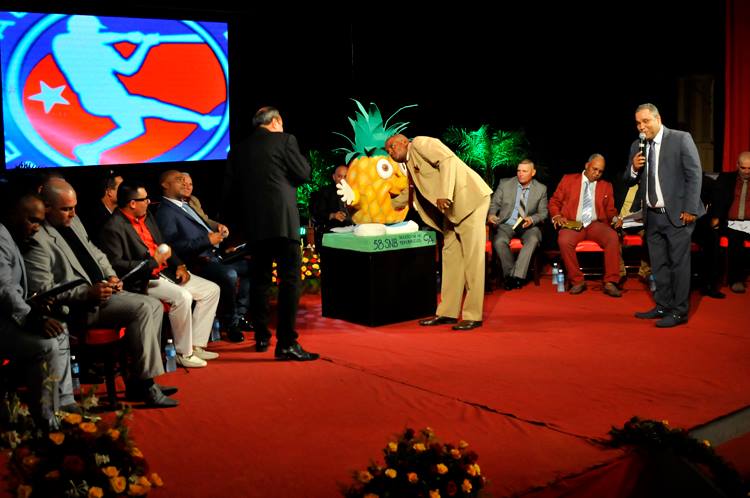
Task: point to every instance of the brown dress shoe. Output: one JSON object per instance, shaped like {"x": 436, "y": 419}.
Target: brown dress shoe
{"x": 578, "y": 288}
{"x": 467, "y": 325}
{"x": 437, "y": 320}
{"x": 611, "y": 289}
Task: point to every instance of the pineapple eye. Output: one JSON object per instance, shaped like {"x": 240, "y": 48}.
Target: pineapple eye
{"x": 384, "y": 169}
{"x": 403, "y": 169}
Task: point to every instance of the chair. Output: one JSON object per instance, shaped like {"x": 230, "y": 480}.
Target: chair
{"x": 104, "y": 344}
{"x": 584, "y": 250}
{"x": 516, "y": 245}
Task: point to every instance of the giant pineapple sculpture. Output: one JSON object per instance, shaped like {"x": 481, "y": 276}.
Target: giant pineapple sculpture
{"x": 373, "y": 179}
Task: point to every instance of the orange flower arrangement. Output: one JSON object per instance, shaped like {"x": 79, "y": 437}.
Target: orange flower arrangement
{"x": 309, "y": 270}
{"x": 84, "y": 456}
{"x": 418, "y": 465}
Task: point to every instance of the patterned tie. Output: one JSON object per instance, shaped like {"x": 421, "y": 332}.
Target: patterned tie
{"x": 743, "y": 200}
{"x": 522, "y": 203}
{"x": 586, "y": 213}
{"x": 186, "y": 207}
{"x": 652, "y": 197}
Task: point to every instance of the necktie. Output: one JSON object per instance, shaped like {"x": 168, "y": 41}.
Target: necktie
{"x": 652, "y": 198}
{"x": 522, "y": 203}
{"x": 186, "y": 207}
{"x": 743, "y": 199}
{"x": 586, "y": 213}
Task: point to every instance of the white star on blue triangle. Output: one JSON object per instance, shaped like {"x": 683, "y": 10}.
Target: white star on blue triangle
{"x": 50, "y": 96}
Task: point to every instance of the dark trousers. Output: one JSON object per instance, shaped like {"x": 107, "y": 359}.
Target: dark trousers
{"x": 737, "y": 255}
{"x": 233, "y": 280}
{"x": 669, "y": 249}
{"x": 286, "y": 253}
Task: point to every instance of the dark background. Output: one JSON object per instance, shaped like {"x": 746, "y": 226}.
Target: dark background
{"x": 570, "y": 76}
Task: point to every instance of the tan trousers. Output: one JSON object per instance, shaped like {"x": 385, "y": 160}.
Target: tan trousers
{"x": 463, "y": 265}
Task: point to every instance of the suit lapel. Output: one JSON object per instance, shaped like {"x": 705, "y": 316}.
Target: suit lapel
{"x": 59, "y": 241}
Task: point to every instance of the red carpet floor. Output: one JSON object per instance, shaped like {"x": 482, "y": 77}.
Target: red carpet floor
{"x": 532, "y": 390}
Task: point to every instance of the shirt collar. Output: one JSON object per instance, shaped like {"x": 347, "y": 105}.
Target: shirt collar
{"x": 133, "y": 219}
{"x": 659, "y": 136}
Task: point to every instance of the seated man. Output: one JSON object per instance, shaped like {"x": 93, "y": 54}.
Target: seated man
{"x": 518, "y": 206}
{"x": 38, "y": 344}
{"x": 327, "y": 209}
{"x": 585, "y": 198}
{"x": 102, "y": 208}
{"x": 197, "y": 246}
{"x": 628, "y": 202}
{"x": 131, "y": 236}
{"x": 730, "y": 213}
{"x": 62, "y": 252}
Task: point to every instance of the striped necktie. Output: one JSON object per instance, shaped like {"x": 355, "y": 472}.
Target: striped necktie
{"x": 586, "y": 212}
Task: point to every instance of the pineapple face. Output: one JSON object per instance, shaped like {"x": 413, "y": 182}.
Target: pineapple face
{"x": 376, "y": 180}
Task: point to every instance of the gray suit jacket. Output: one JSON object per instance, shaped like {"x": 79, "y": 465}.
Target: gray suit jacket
{"x": 680, "y": 175}
{"x": 12, "y": 280}
{"x": 50, "y": 262}
{"x": 504, "y": 200}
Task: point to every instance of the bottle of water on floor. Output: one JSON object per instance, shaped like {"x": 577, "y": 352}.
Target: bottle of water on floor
{"x": 554, "y": 273}
{"x": 216, "y": 331}
{"x": 560, "y": 280}
{"x": 651, "y": 283}
{"x": 170, "y": 354}
{"x": 75, "y": 376}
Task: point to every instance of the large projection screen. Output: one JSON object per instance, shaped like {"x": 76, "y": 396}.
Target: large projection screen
{"x": 83, "y": 90}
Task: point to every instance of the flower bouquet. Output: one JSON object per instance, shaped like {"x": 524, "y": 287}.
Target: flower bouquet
{"x": 417, "y": 465}
{"x": 309, "y": 271}
{"x": 84, "y": 456}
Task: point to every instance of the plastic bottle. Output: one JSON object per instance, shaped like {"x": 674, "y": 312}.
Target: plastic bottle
{"x": 560, "y": 281}
{"x": 75, "y": 375}
{"x": 554, "y": 273}
{"x": 651, "y": 283}
{"x": 216, "y": 330}
{"x": 170, "y": 354}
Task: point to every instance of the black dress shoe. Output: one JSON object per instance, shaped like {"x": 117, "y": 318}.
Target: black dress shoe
{"x": 509, "y": 284}
{"x": 655, "y": 312}
{"x": 243, "y": 324}
{"x": 671, "y": 320}
{"x": 438, "y": 320}
{"x": 261, "y": 345}
{"x": 234, "y": 334}
{"x": 467, "y": 325}
{"x": 713, "y": 292}
{"x": 155, "y": 398}
{"x": 72, "y": 408}
{"x": 138, "y": 394}
{"x": 167, "y": 390}
{"x": 294, "y": 353}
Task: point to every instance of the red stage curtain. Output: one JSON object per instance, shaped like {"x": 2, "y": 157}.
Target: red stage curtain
{"x": 737, "y": 81}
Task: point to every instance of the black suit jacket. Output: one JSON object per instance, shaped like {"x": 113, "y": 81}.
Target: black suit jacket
{"x": 125, "y": 250}
{"x": 324, "y": 202}
{"x": 262, "y": 178}
{"x": 723, "y": 196}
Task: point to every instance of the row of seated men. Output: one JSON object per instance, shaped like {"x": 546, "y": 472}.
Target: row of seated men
{"x": 43, "y": 244}
{"x": 584, "y": 207}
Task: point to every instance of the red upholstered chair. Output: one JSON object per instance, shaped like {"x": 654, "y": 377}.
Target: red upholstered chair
{"x": 585, "y": 250}
{"x": 515, "y": 246}
{"x": 724, "y": 245}
{"x": 104, "y": 345}
{"x": 631, "y": 245}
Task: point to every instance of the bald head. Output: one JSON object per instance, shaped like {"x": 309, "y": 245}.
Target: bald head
{"x": 171, "y": 182}
{"x": 743, "y": 165}
{"x": 60, "y": 202}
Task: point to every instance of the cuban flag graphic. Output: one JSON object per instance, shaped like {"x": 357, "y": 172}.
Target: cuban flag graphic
{"x": 95, "y": 90}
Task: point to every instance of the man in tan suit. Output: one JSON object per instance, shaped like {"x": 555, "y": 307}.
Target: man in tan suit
{"x": 453, "y": 199}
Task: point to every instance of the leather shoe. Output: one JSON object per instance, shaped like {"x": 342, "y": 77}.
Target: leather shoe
{"x": 655, "y": 312}
{"x": 738, "y": 287}
{"x": 577, "y": 288}
{"x": 438, "y": 320}
{"x": 261, "y": 345}
{"x": 711, "y": 291}
{"x": 243, "y": 324}
{"x": 155, "y": 397}
{"x": 671, "y": 321}
{"x": 234, "y": 334}
{"x": 135, "y": 394}
{"x": 72, "y": 408}
{"x": 294, "y": 353}
{"x": 467, "y": 325}
{"x": 611, "y": 289}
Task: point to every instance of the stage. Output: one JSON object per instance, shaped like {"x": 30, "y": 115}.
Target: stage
{"x": 534, "y": 392}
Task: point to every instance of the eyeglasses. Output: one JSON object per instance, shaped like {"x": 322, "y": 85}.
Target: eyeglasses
{"x": 142, "y": 199}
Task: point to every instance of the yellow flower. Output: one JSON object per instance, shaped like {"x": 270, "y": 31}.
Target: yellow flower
{"x": 392, "y": 447}
{"x": 364, "y": 476}
{"x": 442, "y": 468}
{"x": 434, "y": 493}
{"x": 303, "y": 268}
{"x": 308, "y": 273}
{"x": 89, "y": 427}
{"x": 111, "y": 471}
{"x": 463, "y": 444}
{"x": 273, "y": 265}
{"x": 136, "y": 452}
{"x": 473, "y": 470}
{"x": 23, "y": 491}
{"x": 117, "y": 484}
{"x": 305, "y": 260}
{"x": 72, "y": 418}
{"x": 114, "y": 434}
{"x": 706, "y": 443}
{"x": 156, "y": 480}
{"x": 412, "y": 477}
{"x": 455, "y": 453}
{"x": 466, "y": 486}
{"x": 419, "y": 447}
{"x": 57, "y": 437}
{"x": 95, "y": 492}
{"x": 52, "y": 474}
{"x": 303, "y": 277}
{"x": 391, "y": 473}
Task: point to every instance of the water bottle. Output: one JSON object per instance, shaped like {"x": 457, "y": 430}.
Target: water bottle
{"x": 216, "y": 331}
{"x": 75, "y": 375}
{"x": 171, "y": 356}
{"x": 652, "y": 283}
{"x": 554, "y": 273}
{"x": 560, "y": 280}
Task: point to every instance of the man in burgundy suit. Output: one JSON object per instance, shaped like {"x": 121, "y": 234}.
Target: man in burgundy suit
{"x": 584, "y": 197}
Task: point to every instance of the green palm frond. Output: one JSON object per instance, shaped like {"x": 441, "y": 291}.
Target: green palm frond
{"x": 321, "y": 169}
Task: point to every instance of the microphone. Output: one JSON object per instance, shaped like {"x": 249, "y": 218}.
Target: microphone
{"x": 642, "y": 144}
